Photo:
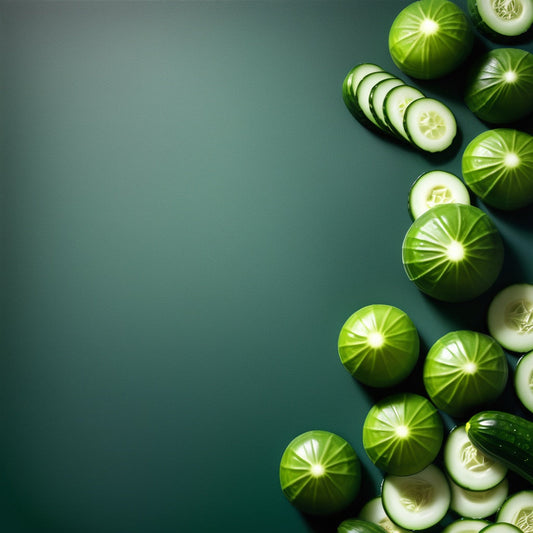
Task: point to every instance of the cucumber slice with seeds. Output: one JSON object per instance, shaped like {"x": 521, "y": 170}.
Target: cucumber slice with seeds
{"x": 362, "y": 96}
{"x": 501, "y": 527}
{"x": 418, "y": 501}
{"x": 466, "y": 525}
{"x": 395, "y": 104}
{"x": 478, "y": 504}
{"x": 501, "y": 18}
{"x": 430, "y": 124}
{"x": 434, "y": 188}
{"x": 523, "y": 381}
{"x": 510, "y": 317}
{"x": 518, "y": 510}
{"x": 468, "y": 467}
{"x": 373, "y": 511}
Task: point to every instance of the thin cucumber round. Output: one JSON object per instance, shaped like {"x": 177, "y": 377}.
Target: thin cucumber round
{"x": 351, "y": 82}
{"x": 510, "y": 317}
{"x": 418, "y": 501}
{"x": 362, "y": 95}
{"x": 518, "y": 510}
{"x": 356, "y": 525}
{"x": 478, "y": 504}
{"x": 433, "y": 188}
{"x": 466, "y": 525}
{"x": 501, "y": 527}
{"x": 467, "y": 466}
{"x": 377, "y": 98}
{"x": 373, "y": 511}
{"x": 395, "y": 104}
{"x": 430, "y": 124}
{"x": 501, "y": 18}
{"x": 523, "y": 381}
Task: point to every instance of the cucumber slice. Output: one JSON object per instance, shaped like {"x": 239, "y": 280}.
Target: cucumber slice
{"x": 523, "y": 381}
{"x": 433, "y": 188}
{"x": 373, "y": 511}
{"x": 362, "y": 96}
{"x": 518, "y": 510}
{"x": 418, "y": 501}
{"x": 395, "y": 104}
{"x": 377, "y": 98}
{"x": 356, "y": 525}
{"x": 503, "y": 18}
{"x": 497, "y": 166}
{"x": 501, "y": 527}
{"x": 351, "y": 82}
{"x": 478, "y": 504}
{"x": 467, "y": 466}
{"x": 510, "y": 317}
{"x": 466, "y": 525}
{"x": 430, "y": 125}
{"x": 500, "y": 84}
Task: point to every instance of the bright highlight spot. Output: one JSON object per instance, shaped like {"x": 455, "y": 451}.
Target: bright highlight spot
{"x": 429, "y": 26}
{"x": 317, "y": 470}
{"x": 375, "y": 339}
{"x": 510, "y": 76}
{"x": 455, "y": 251}
{"x": 470, "y": 367}
{"x": 402, "y": 431}
{"x": 512, "y": 160}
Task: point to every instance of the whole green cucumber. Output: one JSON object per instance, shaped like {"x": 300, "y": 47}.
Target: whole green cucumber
{"x": 504, "y": 437}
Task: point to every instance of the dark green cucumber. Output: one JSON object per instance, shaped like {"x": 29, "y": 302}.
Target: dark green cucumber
{"x": 506, "y": 438}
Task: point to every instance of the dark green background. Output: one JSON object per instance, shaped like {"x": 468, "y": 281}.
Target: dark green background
{"x": 189, "y": 213}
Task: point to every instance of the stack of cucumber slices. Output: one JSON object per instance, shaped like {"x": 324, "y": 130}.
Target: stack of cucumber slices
{"x": 383, "y": 102}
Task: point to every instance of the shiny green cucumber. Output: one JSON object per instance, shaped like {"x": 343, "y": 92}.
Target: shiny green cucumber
{"x": 505, "y": 437}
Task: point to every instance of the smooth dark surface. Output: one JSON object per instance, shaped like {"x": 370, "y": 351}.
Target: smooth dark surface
{"x": 189, "y": 213}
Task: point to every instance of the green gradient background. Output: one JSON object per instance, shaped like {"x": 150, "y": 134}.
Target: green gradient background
{"x": 188, "y": 215}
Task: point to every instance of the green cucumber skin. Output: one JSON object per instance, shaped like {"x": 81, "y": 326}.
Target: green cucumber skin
{"x": 505, "y": 437}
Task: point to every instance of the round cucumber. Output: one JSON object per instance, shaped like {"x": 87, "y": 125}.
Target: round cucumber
{"x": 500, "y": 84}
{"x": 402, "y": 434}
{"x": 504, "y": 437}
{"x": 466, "y": 525}
{"x": 351, "y": 82}
{"x": 430, "y": 38}
{"x": 523, "y": 381}
{"x": 497, "y": 166}
{"x": 356, "y": 525}
{"x": 463, "y": 371}
{"x": 517, "y": 510}
{"x": 501, "y": 527}
{"x": 433, "y": 188}
{"x": 478, "y": 504}
{"x": 395, "y": 104}
{"x": 379, "y": 345}
{"x": 501, "y": 18}
{"x": 510, "y": 317}
{"x": 320, "y": 472}
{"x": 430, "y": 125}
{"x": 373, "y": 511}
{"x": 453, "y": 252}
{"x": 418, "y": 501}
{"x": 468, "y": 467}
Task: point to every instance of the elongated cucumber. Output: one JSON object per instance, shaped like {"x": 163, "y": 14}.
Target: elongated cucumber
{"x": 505, "y": 437}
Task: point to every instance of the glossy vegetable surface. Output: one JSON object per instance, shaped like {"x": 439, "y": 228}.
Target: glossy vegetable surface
{"x": 465, "y": 370}
{"x": 403, "y": 433}
{"x": 500, "y": 86}
{"x": 320, "y": 472}
{"x": 356, "y": 525}
{"x": 453, "y": 252}
{"x": 430, "y": 38}
{"x": 379, "y": 345}
{"x": 505, "y": 437}
{"x": 497, "y": 166}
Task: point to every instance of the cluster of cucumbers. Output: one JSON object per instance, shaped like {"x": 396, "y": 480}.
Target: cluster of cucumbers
{"x": 452, "y": 252}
